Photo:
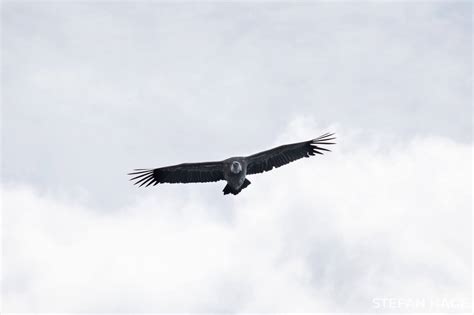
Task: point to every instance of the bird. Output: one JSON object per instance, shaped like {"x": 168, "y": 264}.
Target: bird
{"x": 235, "y": 169}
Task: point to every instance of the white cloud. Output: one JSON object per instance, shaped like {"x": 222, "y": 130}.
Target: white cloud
{"x": 91, "y": 90}
{"x": 323, "y": 234}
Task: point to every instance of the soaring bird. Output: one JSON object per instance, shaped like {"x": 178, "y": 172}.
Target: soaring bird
{"x": 235, "y": 169}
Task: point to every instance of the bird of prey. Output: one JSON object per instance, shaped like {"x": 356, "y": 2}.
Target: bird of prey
{"x": 233, "y": 170}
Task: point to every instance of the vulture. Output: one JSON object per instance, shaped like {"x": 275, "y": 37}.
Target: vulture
{"x": 235, "y": 169}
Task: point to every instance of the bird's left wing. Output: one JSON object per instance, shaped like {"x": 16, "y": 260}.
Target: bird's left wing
{"x": 279, "y": 156}
{"x": 181, "y": 173}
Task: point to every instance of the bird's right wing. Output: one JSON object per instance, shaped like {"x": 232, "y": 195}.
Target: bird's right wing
{"x": 181, "y": 173}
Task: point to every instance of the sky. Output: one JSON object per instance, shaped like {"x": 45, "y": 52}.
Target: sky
{"x": 94, "y": 89}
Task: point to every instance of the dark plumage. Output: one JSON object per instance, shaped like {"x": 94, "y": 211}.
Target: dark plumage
{"x": 234, "y": 169}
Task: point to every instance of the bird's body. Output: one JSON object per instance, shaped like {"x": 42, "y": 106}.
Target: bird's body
{"x": 233, "y": 170}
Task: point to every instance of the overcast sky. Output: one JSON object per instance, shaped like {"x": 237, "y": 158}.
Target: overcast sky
{"x": 91, "y": 90}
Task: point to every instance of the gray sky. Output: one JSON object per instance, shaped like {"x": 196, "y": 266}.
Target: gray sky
{"x": 92, "y": 90}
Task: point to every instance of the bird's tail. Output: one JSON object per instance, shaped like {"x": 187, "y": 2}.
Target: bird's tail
{"x": 229, "y": 190}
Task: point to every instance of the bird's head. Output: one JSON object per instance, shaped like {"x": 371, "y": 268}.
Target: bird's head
{"x": 235, "y": 167}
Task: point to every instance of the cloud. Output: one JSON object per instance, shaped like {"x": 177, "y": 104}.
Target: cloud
{"x": 113, "y": 86}
{"x": 93, "y": 90}
{"x": 323, "y": 234}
